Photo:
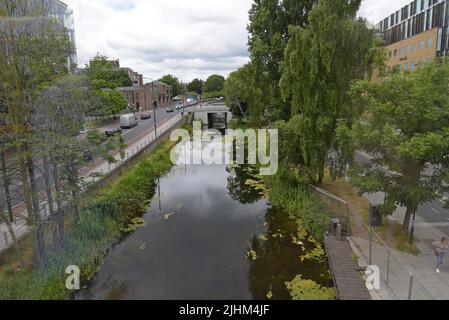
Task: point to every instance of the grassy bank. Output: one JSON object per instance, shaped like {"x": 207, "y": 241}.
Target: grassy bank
{"x": 106, "y": 216}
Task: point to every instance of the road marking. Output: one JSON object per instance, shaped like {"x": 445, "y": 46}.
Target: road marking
{"x": 435, "y": 210}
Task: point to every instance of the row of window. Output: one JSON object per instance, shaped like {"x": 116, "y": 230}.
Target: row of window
{"x": 412, "y": 67}
{"x": 411, "y": 48}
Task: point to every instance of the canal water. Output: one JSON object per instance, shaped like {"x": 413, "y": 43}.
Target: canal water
{"x": 209, "y": 233}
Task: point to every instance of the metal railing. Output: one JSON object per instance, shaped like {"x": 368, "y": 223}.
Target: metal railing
{"x": 398, "y": 279}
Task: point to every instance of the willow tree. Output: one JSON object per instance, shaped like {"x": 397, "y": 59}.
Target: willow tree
{"x": 321, "y": 60}
{"x": 268, "y": 36}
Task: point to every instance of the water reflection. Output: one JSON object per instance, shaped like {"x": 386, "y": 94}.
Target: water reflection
{"x": 201, "y": 224}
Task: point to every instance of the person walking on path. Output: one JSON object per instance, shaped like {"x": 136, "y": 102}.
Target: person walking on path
{"x": 441, "y": 248}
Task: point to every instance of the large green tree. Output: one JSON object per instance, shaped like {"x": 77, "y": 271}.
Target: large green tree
{"x": 268, "y": 36}
{"x": 176, "y": 86}
{"x": 320, "y": 62}
{"x": 405, "y": 127}
{"x": 196, "y": 85}
{"x": 243, "y": 97}
{"x": 215, "y": 83}
{"x": 102, "y": 74}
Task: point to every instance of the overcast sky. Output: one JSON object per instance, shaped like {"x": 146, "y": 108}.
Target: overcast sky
{"x": 186, "y": 38}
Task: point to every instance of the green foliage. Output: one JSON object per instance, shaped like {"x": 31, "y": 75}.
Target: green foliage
{"x": 303, "y": 289}
{"x": 242, "y": 94}
{"x": 196, "y": 85}
{"x": 109, "y": 102}
{"x": 212, "y": 95}
{"x": 215, "y": 83}
{"x": 405, "y": 125}
{"x": 176, "y": 86}
{"x": 103, "y": 218}
{"x": 290, "y": 191}
{"x": 321, "y": 60}
{"x": 103, "y": 74}
{"x": 268, "y": 37}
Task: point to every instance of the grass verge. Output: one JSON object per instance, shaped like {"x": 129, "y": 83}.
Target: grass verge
{"x": 104, "y": 217}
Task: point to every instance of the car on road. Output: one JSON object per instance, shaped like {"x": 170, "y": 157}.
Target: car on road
{"x": 113, "y": 131}
{"x": 179, "y": 107}
{"x": 170, "y": 109}
{"x": 128, "y": 121}
{"x": 145, "y": 115}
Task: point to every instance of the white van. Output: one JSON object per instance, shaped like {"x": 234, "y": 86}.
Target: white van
{"x": 128, "y": 121}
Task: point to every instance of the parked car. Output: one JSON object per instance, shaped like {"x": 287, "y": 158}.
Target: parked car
{"x": 170, "y": 109}
{"x": 145, "y": 115}
{"x": 128, "y": 121}
{"x": 113, "y": 131}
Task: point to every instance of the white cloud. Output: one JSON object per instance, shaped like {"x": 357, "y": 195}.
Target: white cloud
{"x": 189, "y": 39}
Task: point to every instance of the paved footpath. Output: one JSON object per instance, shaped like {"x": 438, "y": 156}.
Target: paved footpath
{"x": 88, "y": 174}
{"x": 398, "y": 267}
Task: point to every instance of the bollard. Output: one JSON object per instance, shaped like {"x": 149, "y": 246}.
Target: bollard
{"x": 338, "y": 232}
{"x": 6, "y": 237}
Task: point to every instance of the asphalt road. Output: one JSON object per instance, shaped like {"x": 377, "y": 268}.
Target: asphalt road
{"x": 432, "y": 212}
{"x": 143, "y": 127}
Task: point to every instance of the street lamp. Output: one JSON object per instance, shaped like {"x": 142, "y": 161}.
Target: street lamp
{"x": 154, "y": 106}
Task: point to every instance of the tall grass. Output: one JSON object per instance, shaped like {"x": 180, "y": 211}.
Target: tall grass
{"x": 103, "y": 218}
{"x": 291, "y": 191}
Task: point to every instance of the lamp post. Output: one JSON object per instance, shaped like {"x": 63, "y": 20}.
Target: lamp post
{"x": 153, "y": 105}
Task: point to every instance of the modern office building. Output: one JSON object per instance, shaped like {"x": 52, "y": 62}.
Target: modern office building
{"x": 416, "y": 33}
{"x": 37, "y": 9}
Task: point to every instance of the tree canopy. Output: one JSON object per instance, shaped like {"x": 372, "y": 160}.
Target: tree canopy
{"x": 174, "y": 83}
{"x": 320, "y": 62}
{"x": 196, "y": 85}
{"x": 405, "y": 127}
{"x": 215, "y": 83}
{"x": 102, "y": 74}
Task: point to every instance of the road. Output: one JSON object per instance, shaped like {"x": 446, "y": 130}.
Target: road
{"x": 129, "y": 135}
{"x": 434, "y": 213}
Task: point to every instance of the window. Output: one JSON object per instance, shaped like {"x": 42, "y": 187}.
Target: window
{"x": 400, "y": 67}
{"x": 414, "y": 47}
{"x": 395, "y": 52}
{"x": 430, "y": 43}
{"x": 407, "y": 50}
{"x": 406, "y": 66}
{"x": 412, "y": 65}
{"x": 401, "y": 52}
{"x": 390, "y": 54}
{"x": 422, "y": 44}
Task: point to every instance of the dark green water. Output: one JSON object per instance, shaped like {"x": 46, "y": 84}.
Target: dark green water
{"x": 199, "y": 231}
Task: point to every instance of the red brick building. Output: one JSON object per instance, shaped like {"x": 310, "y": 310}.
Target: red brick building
{"x": 141, "y": 97}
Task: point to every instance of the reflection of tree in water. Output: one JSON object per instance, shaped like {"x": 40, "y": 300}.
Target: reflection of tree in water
{"x": 237, "y": 186}
{"x": 279, "y": 258}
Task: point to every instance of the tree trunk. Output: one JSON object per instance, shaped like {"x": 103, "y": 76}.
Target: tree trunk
{"x": 57, "y": 184}
{"x": 40, "y": 241}
{"x": 26, "y": 189}
{"x": 48, "y": 190}
{"x": 72, "y": 178}
{"x": 6, "y": 183}
{"x": 14, "y": 239}
{"x": 406, "y": 224}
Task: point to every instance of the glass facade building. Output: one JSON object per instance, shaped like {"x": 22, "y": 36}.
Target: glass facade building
{"x": 418, "y": 17}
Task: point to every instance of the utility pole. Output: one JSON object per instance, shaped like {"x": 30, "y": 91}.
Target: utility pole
{"x": 154, "y": 109}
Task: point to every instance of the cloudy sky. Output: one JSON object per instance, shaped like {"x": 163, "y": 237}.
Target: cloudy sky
{"x": 189, "y": 39}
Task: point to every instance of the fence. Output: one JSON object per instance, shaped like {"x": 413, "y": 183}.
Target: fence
{"x": 398, "y": 281}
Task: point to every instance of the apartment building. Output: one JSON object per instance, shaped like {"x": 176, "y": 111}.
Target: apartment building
{"x": 416, "y": 33}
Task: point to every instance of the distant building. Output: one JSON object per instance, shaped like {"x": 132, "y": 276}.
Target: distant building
{"x": 416, "y": 33}
{"x": 140, "y": 97}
